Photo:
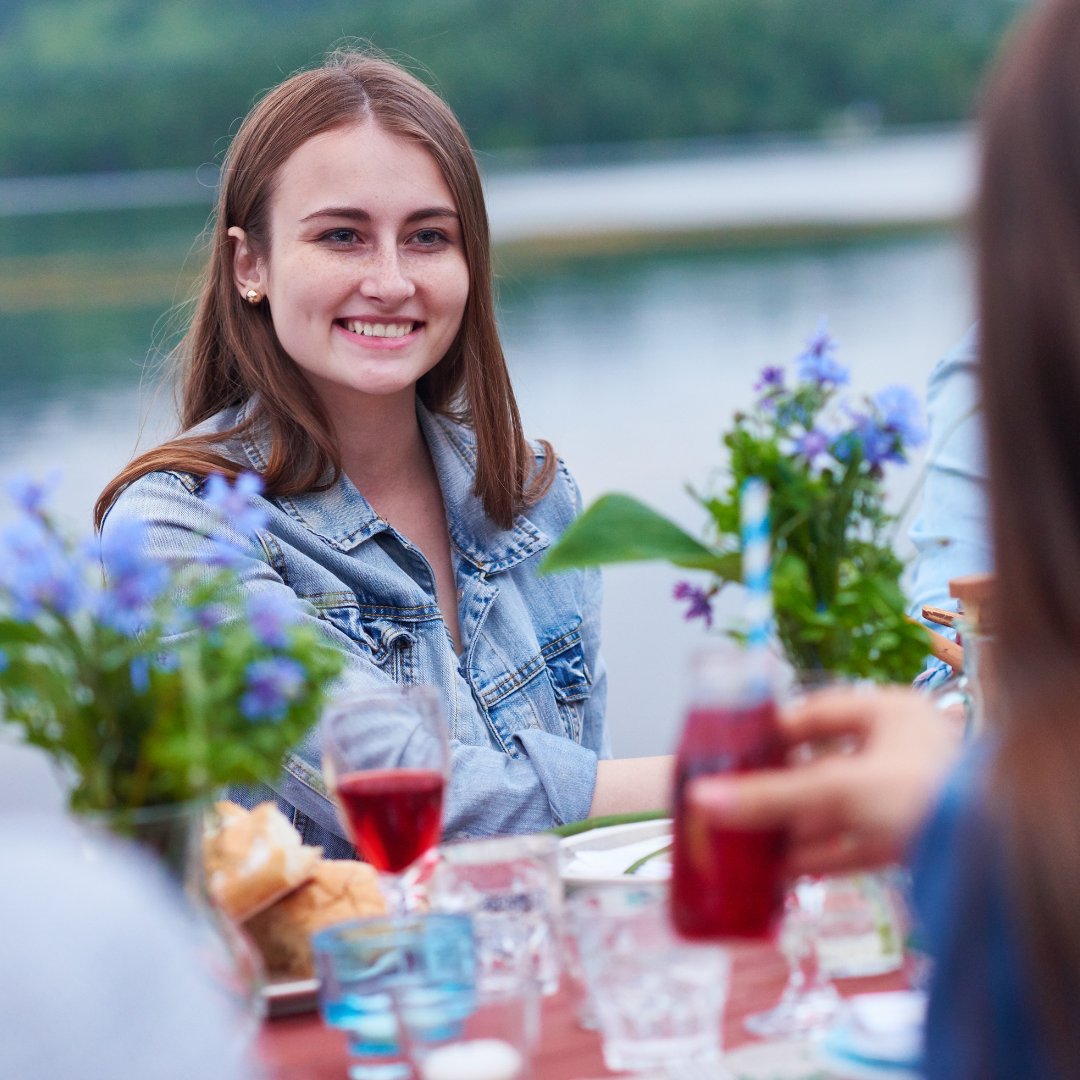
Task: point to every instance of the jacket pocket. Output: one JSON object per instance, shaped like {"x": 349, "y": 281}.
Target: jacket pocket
{"x": 388, "y": 644}
{"x": 570, "y": 678}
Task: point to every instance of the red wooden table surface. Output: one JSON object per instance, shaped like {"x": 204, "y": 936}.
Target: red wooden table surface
{"x": 302, "y": 1048}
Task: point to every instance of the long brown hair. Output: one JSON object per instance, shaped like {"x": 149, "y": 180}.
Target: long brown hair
{"x": 1028, "y": 235}
{"x": 230, "y": 351}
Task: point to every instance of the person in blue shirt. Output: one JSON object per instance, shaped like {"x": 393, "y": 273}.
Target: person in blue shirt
{"x": 344, "y": 348}
{"x": 951, "y": 532}
{"x": 994, "y": 843}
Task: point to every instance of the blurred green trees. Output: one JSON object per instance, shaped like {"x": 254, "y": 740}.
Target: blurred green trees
{"x": 118, "y": 84}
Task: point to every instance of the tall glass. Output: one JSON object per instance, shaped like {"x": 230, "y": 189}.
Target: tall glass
{"x": 726, "y": 882}
{"x": 386, "y": 759}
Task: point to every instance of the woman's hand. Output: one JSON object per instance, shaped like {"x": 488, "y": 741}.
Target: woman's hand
{"x": 865, "y": 766}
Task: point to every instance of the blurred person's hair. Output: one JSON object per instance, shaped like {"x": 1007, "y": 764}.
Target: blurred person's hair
{"x": 1028, "y": 235}
{"x": 230, "y": 352}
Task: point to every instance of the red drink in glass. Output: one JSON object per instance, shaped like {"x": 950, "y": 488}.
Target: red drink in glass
{"x": 393, "y": 814}
{"x": 726, "y": 883}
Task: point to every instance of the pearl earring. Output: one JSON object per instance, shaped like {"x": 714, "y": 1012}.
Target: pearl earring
{"x": 253, "y": 296}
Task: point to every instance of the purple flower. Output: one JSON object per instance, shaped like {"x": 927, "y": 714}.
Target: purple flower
{"x": 898, "y": 407}
{"x": 271, "y": 615}
{"x": 812, "y": 444}
{"x": 38, "y": 573}
{"x": 816, "y": 363}
{"x": 134, "y": 579}
{"x": 210, "y": 617}
{"x": 31, "y": 495}
{"x": 771, "y": 378}
{"x": 699, "y": 600}
{"x": 235, "y": 503}
{"x": 271, "y": 685}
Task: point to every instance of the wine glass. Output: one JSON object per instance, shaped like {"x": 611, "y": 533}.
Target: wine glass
{"x": 386, "y": 759}
{"x": 809, "y": 1000}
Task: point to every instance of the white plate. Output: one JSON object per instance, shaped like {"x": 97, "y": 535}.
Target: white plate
{"x": 601, "y": 856}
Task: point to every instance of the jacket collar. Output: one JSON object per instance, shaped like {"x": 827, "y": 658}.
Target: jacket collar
{"x": 345, "y": 519}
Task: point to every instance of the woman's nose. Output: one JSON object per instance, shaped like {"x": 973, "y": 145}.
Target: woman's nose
{"x": 385, "y": 277}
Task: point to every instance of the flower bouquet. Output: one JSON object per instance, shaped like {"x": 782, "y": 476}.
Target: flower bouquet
{"x": 836, "y": 596}
{"x": 159, "y": 685}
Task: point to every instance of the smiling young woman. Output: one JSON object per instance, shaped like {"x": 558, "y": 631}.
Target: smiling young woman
{"x": 344, "y": 347}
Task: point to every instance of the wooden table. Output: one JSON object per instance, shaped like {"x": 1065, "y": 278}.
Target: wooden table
{"x": 302, "y": 1048}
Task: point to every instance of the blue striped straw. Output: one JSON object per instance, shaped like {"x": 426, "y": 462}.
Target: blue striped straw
{"x": 757, "y": 562}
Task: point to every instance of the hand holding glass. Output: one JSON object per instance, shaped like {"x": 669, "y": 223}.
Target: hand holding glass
{"x": 391, "y": 805}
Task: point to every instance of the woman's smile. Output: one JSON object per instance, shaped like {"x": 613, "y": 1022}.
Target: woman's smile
{"x": 374, "y": 333}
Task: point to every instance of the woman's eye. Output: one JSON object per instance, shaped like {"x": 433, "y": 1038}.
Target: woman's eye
{"x": 430, "y": 237}
{"x": 340, "y": 236}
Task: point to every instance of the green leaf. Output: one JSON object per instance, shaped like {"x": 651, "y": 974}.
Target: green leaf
{"x": 618, "y": 528}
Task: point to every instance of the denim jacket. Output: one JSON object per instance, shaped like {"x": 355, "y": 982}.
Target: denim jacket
{"x": 524, "y": 700}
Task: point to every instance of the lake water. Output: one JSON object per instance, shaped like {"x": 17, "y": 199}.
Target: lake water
{"x": 631, "y": 366}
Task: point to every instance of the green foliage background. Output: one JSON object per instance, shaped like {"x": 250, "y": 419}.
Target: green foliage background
{"x": 89, "y": 85}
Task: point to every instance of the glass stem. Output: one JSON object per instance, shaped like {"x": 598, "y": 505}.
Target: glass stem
{"x": 393, "y": 890}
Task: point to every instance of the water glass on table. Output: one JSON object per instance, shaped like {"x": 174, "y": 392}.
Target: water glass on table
{"x": 511, "y": 886}
{"x": 659, "y": 999}
{"x": 364, "y": 965}
{"x": 392, "y": 810}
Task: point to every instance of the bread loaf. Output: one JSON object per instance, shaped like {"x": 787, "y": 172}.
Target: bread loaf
{"x": 253, "y": 858}
{"x": 340, "y": 889}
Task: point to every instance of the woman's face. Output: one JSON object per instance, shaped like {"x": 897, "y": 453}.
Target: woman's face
{"x": 366, "y": 276}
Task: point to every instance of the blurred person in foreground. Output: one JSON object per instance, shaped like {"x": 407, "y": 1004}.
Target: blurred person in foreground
{"x": 102, "y": 970}
{"x": 996, "y": 865}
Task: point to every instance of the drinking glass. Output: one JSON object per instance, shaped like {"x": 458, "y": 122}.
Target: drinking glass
{"x": 809, "y": 1000}
{"x": 511, "y": 887}
{"x": 659, "y": 998}
{"x": 365, "y": 965}
{"x": 386, "y": 759}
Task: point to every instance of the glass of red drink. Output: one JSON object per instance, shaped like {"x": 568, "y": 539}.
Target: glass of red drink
{"x": 386, "y": 759}
{"x": 726, "y": 883}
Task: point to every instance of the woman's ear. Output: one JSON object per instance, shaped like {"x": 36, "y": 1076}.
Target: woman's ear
{"x": 247, "y": 266}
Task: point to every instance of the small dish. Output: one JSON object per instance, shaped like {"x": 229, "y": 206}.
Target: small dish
{"x": 290, "y": 998}
{"x": 603, "y": 856}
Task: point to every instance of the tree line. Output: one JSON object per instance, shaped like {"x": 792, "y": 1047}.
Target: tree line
{"x": 93, "y": 85}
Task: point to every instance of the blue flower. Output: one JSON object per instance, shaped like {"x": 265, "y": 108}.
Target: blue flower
{"x": 167, "y": 662}
{"x": 235, "y": 503}
{"x": 139, "y": 669}
{"x": 877, "y": 444}
{"x": 700, "y": 601}
{"x": 816, "y": 363}
{"x": 31, "y": 495}
{"x": 38, "y": 573}
{"x": 271, "y": 685}
{"x": 4, "y": 661}
{"x": 812, "y": 444}
{"x": 270, "y": 615}
{"x": 134, "y": 579}
{"x": 898, "y": 407}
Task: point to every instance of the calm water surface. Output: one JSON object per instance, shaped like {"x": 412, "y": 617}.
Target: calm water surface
{"x": 630, "y": 366}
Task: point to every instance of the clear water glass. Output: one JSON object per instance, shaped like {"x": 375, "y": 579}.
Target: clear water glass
{"x": 659, "y": 999}
{"x": 512, "y": 888}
